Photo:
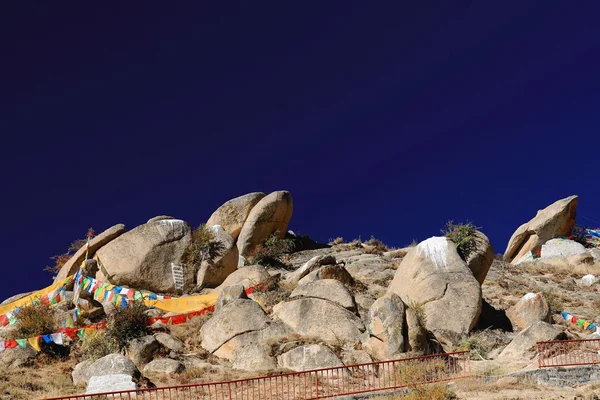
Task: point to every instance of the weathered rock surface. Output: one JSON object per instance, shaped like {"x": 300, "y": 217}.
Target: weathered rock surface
{"x": 214, "y": 271}
{"x": 336, "y": 272}
{"x": 96, "y": 243}
{"x": 141, "y": 350}
{"x": 233, "y": 319}
{"x": 271, "y": 215}
{"x": 480, "y": 260}
{"x": 233, "y": 213}
{"x": 169, "y": 342}
{"x": 523, "y": 344}
{"x": 320, "y": 318}
{"x": 417, "y": 336}
{"x": 308, "y": 357}
{"x": 254, "y": 357}
{"x": 562, "y": 248}
{"x": 531, "y": 308}
{"x": 558, "y": 219}
{"x": 386, "y": 323}
{"x": 327, "y": 289}
{"x": 16, "y": 358}
{"x": 142, "y": 257}
{"x": 246, "y": 276}
{"x": 159, "y": 218}
{"x": 434, "y": 276}
{"x": 163, "y": 366}
{"x": 107, "y": 365}
{"x": 110, "y": 383}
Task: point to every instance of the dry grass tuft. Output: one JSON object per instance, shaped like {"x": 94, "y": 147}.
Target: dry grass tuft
{"x": 38, "y": 383}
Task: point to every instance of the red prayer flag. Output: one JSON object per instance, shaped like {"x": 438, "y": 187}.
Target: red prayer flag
{"x": 10, "y": 344}
{"x": 3, "y": 320}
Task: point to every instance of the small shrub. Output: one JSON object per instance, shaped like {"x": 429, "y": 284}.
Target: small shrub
{"x": 417, "y": 373}
{"x": 128, "y": 323}
{"x": 555, "y": 302}
{"x": 475, "y": 345}
{"x": 61, "y": 259}
{"x": 204, "y": 246}
{"x": 97, "y": 344}
{"x": 419, "y": 313}
{"x": 34, "y": 320}
{"x": 463, "y": 236}
{"x": 375, "y": 246}
{"x": 271, "y": 252}
{"x": 336, "y": 241}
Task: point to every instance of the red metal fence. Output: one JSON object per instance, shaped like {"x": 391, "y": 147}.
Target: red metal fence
{"x": 563, "y": 353}
{"x": 315, "y": 384}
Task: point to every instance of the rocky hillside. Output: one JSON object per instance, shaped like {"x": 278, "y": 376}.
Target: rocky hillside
{"x": 240, "y": 296}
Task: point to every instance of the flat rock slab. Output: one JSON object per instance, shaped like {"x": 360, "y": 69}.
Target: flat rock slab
{"x": 110, "y": 383}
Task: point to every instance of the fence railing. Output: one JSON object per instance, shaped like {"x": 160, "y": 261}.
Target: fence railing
{"x": 564, "y": 353}
{"x": 309, "y": 385}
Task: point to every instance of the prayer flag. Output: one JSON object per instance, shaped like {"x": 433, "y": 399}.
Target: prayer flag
{"x": 47, "y": 338}
{"x": 10, "y": 344}
{"x": 57, "y": 338}
{"x": 22, "y": 342}
{"x": 1, "y": 346}
{"x": 35, "y": 343}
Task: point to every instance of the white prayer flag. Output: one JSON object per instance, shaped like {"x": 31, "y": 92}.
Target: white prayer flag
{"x": 57, "y": 338}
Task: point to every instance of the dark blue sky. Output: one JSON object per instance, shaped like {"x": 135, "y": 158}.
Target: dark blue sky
{"x": 382, "y": 120}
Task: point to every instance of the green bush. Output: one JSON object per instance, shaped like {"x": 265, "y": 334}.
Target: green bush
{"x": 463, "y": 236}
{"x": 271, "y": 252}
{"x": 98, "y": 344}
{"x": 128, "y": 323}
{"x": 204, "y": 246}
{"x": 34, "y": 320}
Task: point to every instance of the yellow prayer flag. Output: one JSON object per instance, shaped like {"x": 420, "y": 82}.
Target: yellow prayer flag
{"x": 34, "y": 342}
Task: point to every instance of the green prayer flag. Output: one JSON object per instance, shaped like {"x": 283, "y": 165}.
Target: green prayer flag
{"x": 22, "y": 342}
{"x": 138, "y": 296}
{"x": 579, "y": 322}
{"x": 80, "y": 333}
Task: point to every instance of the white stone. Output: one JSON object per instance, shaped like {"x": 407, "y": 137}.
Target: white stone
{"x": 588, "y": 280}
{"x": 110, "y": 383}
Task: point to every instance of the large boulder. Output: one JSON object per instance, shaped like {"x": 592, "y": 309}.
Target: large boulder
{"x": 214, "y": 271}
{"x": 558, "y": 219}
{"x": 523, "y": 345}
{"x": 531, "y": 308}
{"x": 320, "y": 318}
{"x": 327, "y": 289}
{"x": 310, "y": 266}
{"x": 231, "y": 320}
{"x": 563, "y": 248}
{"x": 142, "y": 257}
{"x": 96, "y": 243}
{"x": 433, "y": 276}
{"x": 273, "y": 332}
{"x": 232, "y": 214}
{"x": 481, "y": 259}
{"x": 107, "y": 365}
{"x": 271, "y": 215}
{"x": 309, "y": 357}
{"x": 386, "y": 322}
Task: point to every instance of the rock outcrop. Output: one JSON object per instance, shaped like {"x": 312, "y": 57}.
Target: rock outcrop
{"x": 107, "y": 365}
{"x": 271, "y": 215}
{"x": 96, "y": 243}
{"x": 142, "y": 257}
{"x": 563, "y": 248}
{"x": 558, "y": 219}
{"x": 163, "y": 366}
{"x": 233, "y": 213}
{"x": 214, "y": 271}
{"x": 141, "y": 350}
{"x": 433, "y": 276}
{"x": 246, "y": 276}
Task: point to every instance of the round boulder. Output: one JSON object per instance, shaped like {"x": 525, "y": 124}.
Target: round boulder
{"x": 531, "y": 308}
{"x": 232, "y": 214}
{"x": 271, "y": 215}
